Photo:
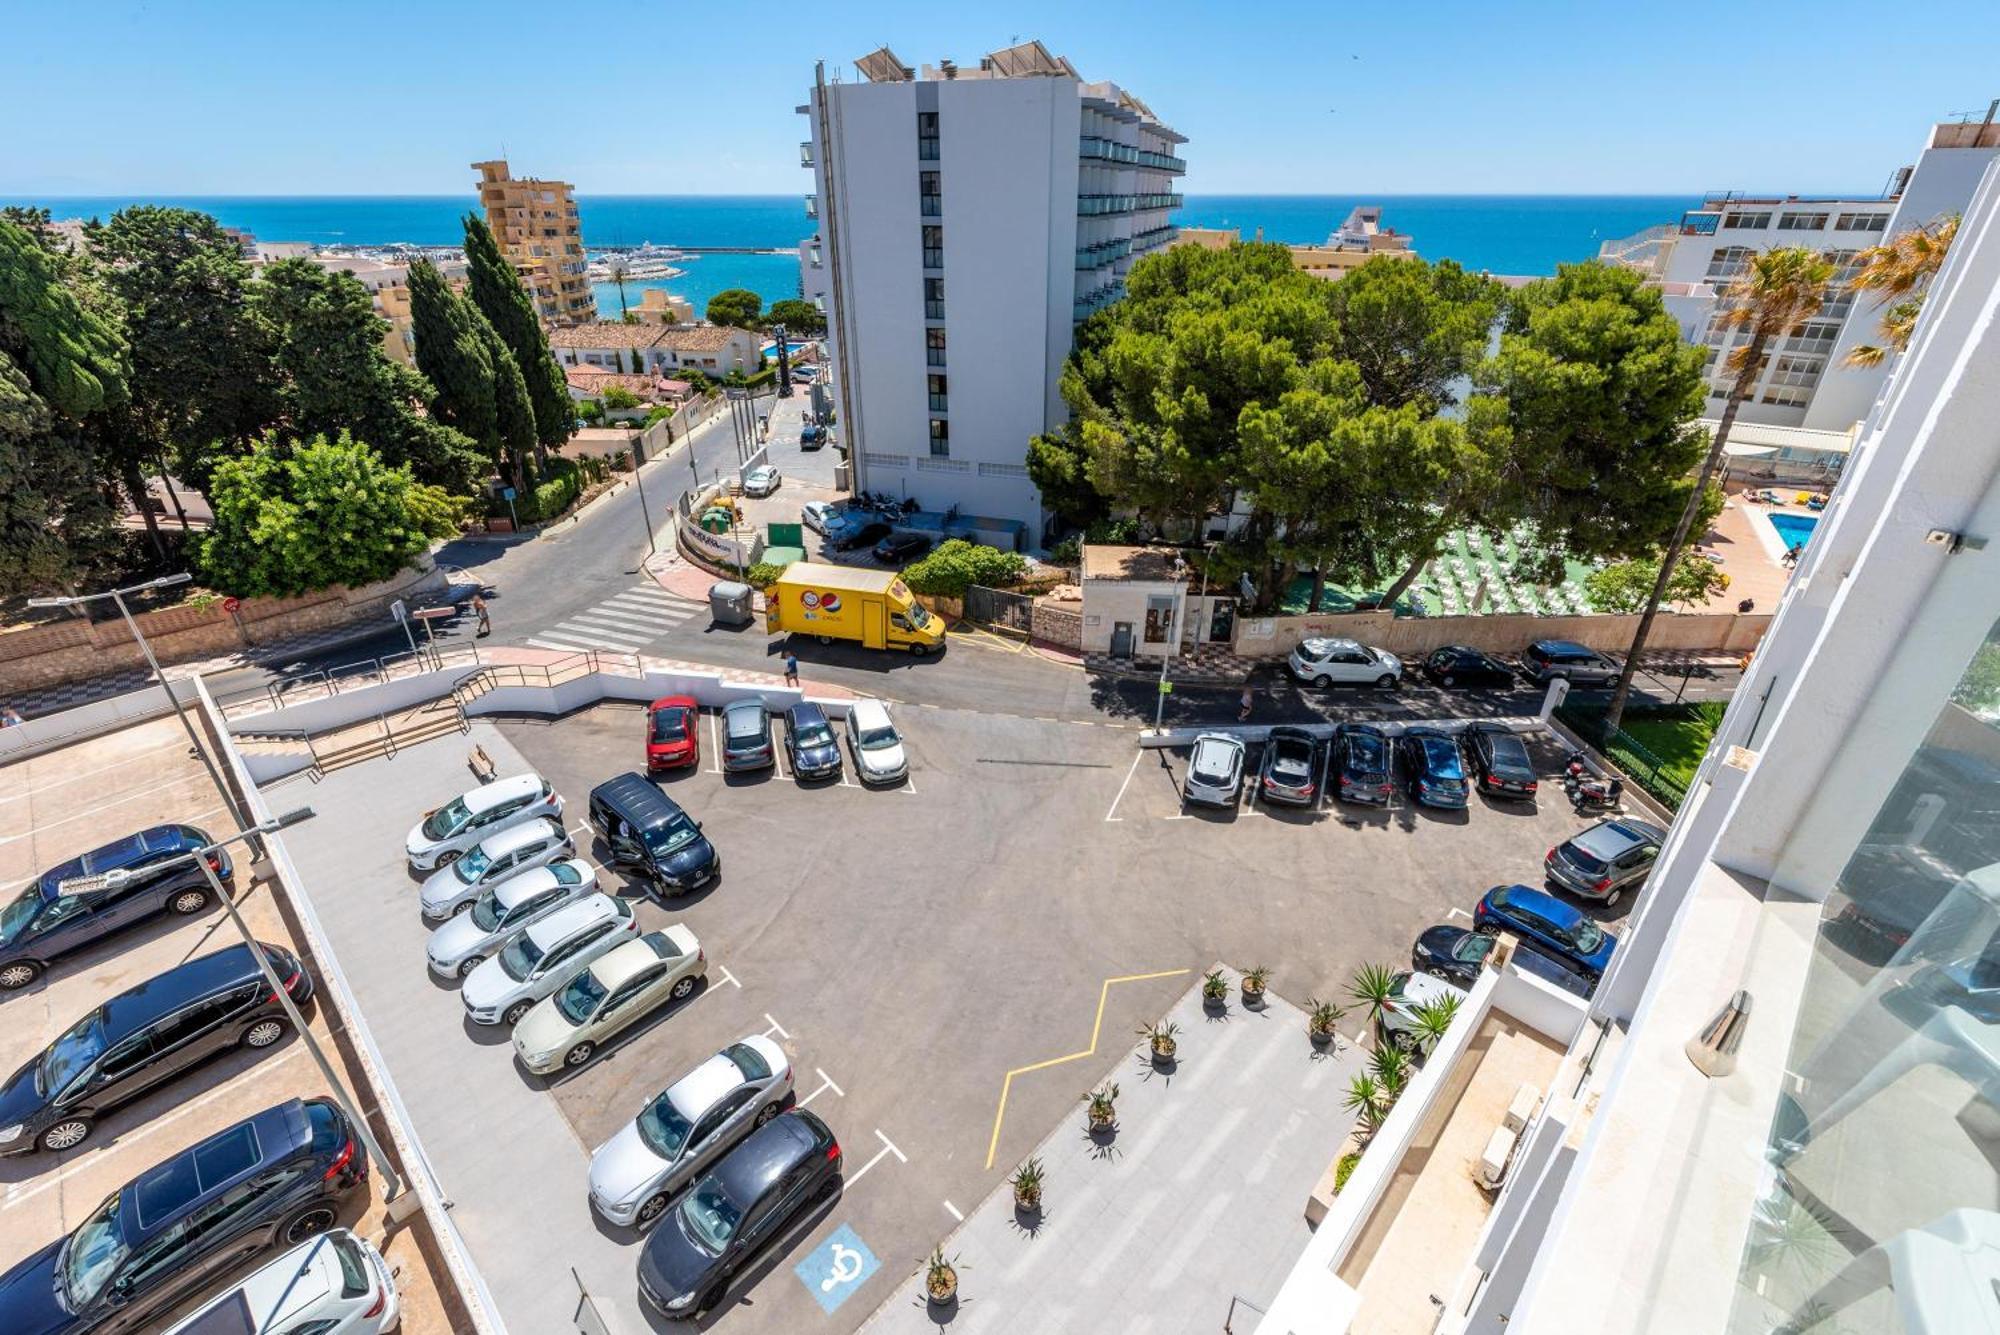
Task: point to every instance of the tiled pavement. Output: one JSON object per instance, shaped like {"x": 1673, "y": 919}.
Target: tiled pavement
{"x": 1205, "y": 664}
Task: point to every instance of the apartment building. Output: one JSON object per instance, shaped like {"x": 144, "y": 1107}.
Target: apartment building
{"x": 652, "y": 349}
{"x": 1806, "y": 382}
{"x": 1359, "y": 239}
{"x": 1824, "y": 1160}
{"x": 537, "y": 227}
{"x": 968, "y": 218}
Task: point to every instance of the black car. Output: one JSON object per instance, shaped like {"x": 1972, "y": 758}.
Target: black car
{"x": 809, "y": 741}
{"x": 648, "y": 832}
{"x": 746, "y": 737}
{"x": 861, "y": 535}
{"x": 1501, "y": 760}
{"x": 1433, "y": 767}
{"x": 272, "y": 1180}
{"x": 1290, "y": 772}
{"x": 1545, "y": 660}
{"x": 901, "y": 549}
{"x": 1456, "y": 954}
{"x": 1462, "y": 665}
{"x": 101, "y": 893}
{"x": 748, "y": 1200}
{"x": 143, "y": 1037}
{"x": 1606, "y": 860}
{"x": 1361, "y": 760}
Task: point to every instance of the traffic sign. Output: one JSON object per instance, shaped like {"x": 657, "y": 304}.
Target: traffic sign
{"x": 1166, "y": 688}
{"x": 230, "y": 605}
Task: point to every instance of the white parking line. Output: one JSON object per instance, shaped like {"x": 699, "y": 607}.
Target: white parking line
{"x": 88, "y": 812}
{"x": 953, "y": 1211}
{"x": 1111, "y": 815}
{"x": 778, "y": 759}
{"x": 1456, "y": 912}
{"x": 714, "y": 750}
{"x": 729, "y": 977}
{"x": 43, "y": 785}
{"x": 775, "y": 1025}
{"x": 825, "y": 1083}
{"x": 888, "y": 1147}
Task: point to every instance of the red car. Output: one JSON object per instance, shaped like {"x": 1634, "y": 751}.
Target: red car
{"x": 672, "y": 733}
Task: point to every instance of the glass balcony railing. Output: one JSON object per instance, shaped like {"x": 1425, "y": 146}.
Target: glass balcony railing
{"x": 1100, "y": 253}
{"x": 1110, "y": 150}
{"x": 1097, "y": 299}
{"x": 806, "y": 154}
{"x": 1097, "y": 206}
{"x": 812, "y": 206}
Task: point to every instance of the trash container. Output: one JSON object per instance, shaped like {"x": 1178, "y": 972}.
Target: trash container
{"x": 729, "y": 603}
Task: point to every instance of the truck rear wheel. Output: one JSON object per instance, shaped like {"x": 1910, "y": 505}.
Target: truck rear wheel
{"x": 824, "y": 639}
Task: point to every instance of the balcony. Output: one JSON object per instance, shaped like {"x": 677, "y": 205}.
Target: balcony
{"x": 812, "y": 206}
{"x": 1097, "y": 299}
{"x": 931, "y": 206}
{"x": 933, "y": 310}
{"x": 806, "y": 154}
{"x": 1100, "y": 253}
{"x": 1110, "y": 150}
{"x": 1097, "y": 206}
{"x": 1153, "y": 239}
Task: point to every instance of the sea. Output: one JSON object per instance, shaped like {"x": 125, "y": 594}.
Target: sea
{"x": 1501, "y": 234}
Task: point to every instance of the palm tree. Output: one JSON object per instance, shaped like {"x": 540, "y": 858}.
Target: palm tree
{"x": 619, "y": 272}
{"x": 1900, "y": 270}
{"x": 1374, "y": 986}
{"x": 1433, "y": 1019}
{"x": 1390, "y": 1066}
{"x": 1781, "y": 288}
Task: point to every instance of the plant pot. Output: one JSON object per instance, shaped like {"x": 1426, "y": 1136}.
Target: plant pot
{"x": 1253, "y": 997}
{"x": 1320, "y": 1040}
{"x": 1163, "y": 1053}
{"x": 1214, "y": 1004}
{"x": 1099, "y": 1124}
{"x": 1028, "y": 1205}
{"x": 942, "y": 1288}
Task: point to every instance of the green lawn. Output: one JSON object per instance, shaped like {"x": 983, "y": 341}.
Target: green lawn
{"x": 1677, "y": 739}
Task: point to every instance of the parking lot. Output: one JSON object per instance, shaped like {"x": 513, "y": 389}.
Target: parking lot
{"x": 59, "y": 805}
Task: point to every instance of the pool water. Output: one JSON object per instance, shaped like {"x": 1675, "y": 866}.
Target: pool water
{"x": 1793, "y": 530}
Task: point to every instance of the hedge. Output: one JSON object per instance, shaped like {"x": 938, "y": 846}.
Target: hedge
{"x": 957, "y": 565}
{"x": 556, "y": 489}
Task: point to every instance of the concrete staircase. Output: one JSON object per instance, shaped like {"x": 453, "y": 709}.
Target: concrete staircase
{"x": 383, "y": 735}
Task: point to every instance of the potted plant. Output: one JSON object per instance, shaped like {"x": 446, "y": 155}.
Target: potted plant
{"x": 1433, "y": 1021}
{"x": 1390, "y": 1066}
{"x": 1027, "y": 1183}
{"x": 1321, "y": 1019}
{"x": 1214, "y": 989}
{"x": 1103, "y": 1111}
{"x": 941, "y": 1278}
{"x": 1254, "y": 983}
{"x": 1161, "y": 1037}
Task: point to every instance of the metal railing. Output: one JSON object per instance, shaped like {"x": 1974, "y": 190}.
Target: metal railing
{"x": 322, "y": 682}
{"x": 1626, "y": 752}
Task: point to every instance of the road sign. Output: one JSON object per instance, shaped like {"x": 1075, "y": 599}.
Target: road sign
{"x": 399, "y": 610}
{"x": 231, "y": 604}
{"x": 506, "y": 493}
{"x": 836, "y": 1268}
{"x": 434, "y": 613}
{"x": 1166, "y": 688}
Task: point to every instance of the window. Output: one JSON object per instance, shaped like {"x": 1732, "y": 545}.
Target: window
{"x": 1801, "y": 222}
{"x": 938, "y": 393}
{"x": 934, "y": 347}
{"x": 929, "y": 194}
{"x": 1815, "y": 336}
{"x": 934, "y": 298}
{"x": 1729, "y": 262}
{"x": 1752, "y": 221}
{"x": 933, "y": 246}
{"x": 940, "y": 438}
{"x": 190, "y": 1023}
{"x": 1787, "y": 396}
{"x": 927, "y": 136}
{"x": 1861, "y": 222}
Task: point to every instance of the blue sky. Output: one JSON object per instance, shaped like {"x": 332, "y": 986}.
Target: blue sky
{"x": 220, "y": 97}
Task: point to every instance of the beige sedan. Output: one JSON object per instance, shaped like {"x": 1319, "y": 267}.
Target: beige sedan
{"x": 620, "y": 987}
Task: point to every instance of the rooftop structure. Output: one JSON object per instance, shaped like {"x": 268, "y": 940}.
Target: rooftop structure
{"x": 537, "y": 227}
{"x": 1359, "y": 238}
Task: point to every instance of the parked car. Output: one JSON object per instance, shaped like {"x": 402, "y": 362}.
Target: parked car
{"x": 1290, "y": 769}
{"x": 1457, "y": 954}
{"x": 647, "y": 832}
{"x": 550, "y": 952}
{"x": 822, "y": 516}
{"x": 334, "y": 1284}
{"x": 901, "y": 549}
{"x": 504, "y": 911}
{"x": 1501, "y": 760}
{"x": 452, "y": 888}
{"x": 876, "y": 745}
{"x": 673, "y": 734}
{"x": 1461, "y": 665}
{"x": 142, "y": 1038}
{"x": 1324, "y": 662}
{"x": 621, "y": 986}
{"x": 272, "y": 1180}
{"x": 1546, "y": 660}
{"x": 1432, "y": 767}
{"x": 857, "y": 536}
{"x": 1542, "y": 918}
{"x": 810, "y": 743}
{"x": 761, "y": 481}
{"x": 1396, "y": 1022}
{"x": 746, "y": 737}
{"x": 1606, "y": 860}
{"x": 81, "y": 902}
{"x": 449, "y": 830}
{"x": 747, "y": 1202}
{"x": 1215, "y": 770}
{"x": 1362, "y": 760}
{"x": 686, "y": 1128}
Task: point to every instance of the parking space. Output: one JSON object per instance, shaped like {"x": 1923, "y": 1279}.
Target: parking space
{"x": 53, "y": 808}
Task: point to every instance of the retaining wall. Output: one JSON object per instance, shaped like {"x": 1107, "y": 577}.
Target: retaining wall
{"x": 1504, "y": 633}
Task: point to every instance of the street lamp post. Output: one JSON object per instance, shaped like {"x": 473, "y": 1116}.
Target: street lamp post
{"x": 117, "y": 596}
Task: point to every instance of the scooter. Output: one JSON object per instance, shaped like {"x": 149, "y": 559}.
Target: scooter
{"x": 1593, "y": 794}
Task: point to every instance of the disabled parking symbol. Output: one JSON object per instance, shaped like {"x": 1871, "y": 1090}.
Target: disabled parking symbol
{"x": 836, "y": 1268}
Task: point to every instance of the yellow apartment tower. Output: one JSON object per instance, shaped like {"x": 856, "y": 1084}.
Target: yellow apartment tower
{"x": 536, "y": 224}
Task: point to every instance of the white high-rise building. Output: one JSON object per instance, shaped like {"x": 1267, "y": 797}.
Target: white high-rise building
{"x": 1806, "y": 381}
{"x": 968, "y": 218}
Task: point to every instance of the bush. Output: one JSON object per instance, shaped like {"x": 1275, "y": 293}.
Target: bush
{"x": 619, "y": 398}
{"x": 550, "y": 494}
{"x": 1068, "y": 552}
{"x": 958, "y": 564}
{"x": 591, "y": 411}
{"x": 1344, "y": 1170}
{"x": 763, "y": 575}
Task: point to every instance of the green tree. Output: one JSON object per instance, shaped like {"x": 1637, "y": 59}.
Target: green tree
{"x": 1899, "y": 271}
{"x": 455, "y": 351}
{"x": 798, "y": 317}
{"x": 735, "y": 306}
{"x": 1412, "y": 329}
{"x": 1979, "y": 688}
{"x": 957, "y": 565}
{"x": 290, "y": 519}
{"x": 620, "y": 398}
{"x": 495, "y": 288}
{"x": 1783, "y": 287}
{"x": 513, "y": 412}
{"x": 1625, "y": 586}
{"x": 1059, "y": 466}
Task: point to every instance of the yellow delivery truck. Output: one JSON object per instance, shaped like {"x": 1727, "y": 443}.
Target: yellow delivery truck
{"x": 872, "y": 607}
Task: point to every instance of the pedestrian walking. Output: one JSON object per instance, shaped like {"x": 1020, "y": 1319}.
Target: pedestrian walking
{"x": 791, "y": 669}
{"x": 1249, "y": 699}
{"x": 10, "y": 717}
{"x": 485, "y": 620}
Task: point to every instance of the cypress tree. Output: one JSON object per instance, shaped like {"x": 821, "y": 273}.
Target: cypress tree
{"x": 455, "y": 358}
{"x": 514, "y": 415}
{"x": 497, "y": 292}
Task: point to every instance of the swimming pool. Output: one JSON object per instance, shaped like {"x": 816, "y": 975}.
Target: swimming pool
{"x": 1793, "y": 530}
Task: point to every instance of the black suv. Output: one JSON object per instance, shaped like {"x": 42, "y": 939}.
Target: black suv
{"x": 144, "y": 1037}
{"x": 1462, "y": 665}
{"x": 1501, "y": 760}
{"x": 1545, "y": 660}
{"x": 748, "y": 1201}
{"x": 103, "y": 892}
{"x": 809, "y": 741}
{"x": 272, "y": 1180}
{"x": 648, "y": 832}
{"x": 901, "y": 549}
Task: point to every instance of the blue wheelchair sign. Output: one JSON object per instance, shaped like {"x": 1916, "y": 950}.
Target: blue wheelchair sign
{"x": 836, "y": 1268}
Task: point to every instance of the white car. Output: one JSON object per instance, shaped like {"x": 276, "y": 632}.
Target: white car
{"x": 878, "y": 748}
{"x": 452, "y": 888}
{"x": 1215, "y": 770}
{"x": 1323, "y": 662}
{"x": 819, "y": 516}
{"x": 686, "y": 1128}
{"x": 504, "y": 911}
{"x": 552, "y": 951}
{"x": 1397, "y": 1020}
{"x": 462, "y": 822}
{"x": 619, "y": 988}
{"x": 760, "y": 481}
{"x": 334, "y": 1284}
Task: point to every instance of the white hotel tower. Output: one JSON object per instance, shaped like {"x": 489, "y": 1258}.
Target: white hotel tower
{"x": 968, "y": 218}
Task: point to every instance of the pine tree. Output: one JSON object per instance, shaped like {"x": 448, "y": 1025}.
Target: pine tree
{"x": 497, "y": 292}
{"x": 514, "y": 415}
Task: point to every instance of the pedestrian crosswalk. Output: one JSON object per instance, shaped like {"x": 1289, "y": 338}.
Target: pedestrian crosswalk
{"x": 624, "y": 623}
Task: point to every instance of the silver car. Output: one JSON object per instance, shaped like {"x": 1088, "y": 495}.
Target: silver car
{"x": 449, "y": 830}
{"x": 760, "y": 481}
{"x": 451, "y": 889}
{"x": 335, "y": 1284}
{"x": 878, "y": 749}
{"x": 504, "y": 911}
{"x": 552, "y": 951}
{"x": 1215, "y": 770}
{"x": 686, "y": 1128}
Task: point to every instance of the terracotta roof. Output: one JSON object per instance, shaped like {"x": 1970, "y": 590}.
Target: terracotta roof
{"x": 699, "y": 337}
{"x": 594, "y": 379}
{"x": 604, "y": 334}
